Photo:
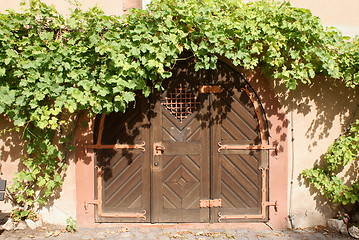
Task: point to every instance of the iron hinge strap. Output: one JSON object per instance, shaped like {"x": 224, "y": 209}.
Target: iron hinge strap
{"x": 265, "y": 203}
{"x": 210, "y": 89}
{"x": 118, "y": 146}
{"x": 117, "y": 215}
{"x": 246, "y": 147}
{"x": 99, "y": 202}
{"x": 248, "y": 216}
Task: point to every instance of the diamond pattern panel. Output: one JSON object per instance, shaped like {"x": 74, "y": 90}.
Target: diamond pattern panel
{"x": 182, "y": 184}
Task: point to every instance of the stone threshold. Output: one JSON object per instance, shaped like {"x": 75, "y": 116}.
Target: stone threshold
{"x": 209, "y": 226}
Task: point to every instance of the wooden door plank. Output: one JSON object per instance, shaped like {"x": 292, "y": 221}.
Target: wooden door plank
{"x": 236, "y": 175}
{"x": 239, "y": 189}
{"x": 234, "y": 170}
{"x": 117, "y": 196}
{"x": 182, "y": 176}
{"x": 126, "y": 178}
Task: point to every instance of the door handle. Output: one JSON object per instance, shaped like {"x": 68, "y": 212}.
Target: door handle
{"x": 158, "y": 149}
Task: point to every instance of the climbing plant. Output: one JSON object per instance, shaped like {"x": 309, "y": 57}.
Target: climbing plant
{"x": 53, "y": 67}
{"x": 327, "y": 180}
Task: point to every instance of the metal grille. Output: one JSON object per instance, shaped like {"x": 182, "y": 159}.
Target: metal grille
{"x": 181, "y": 102}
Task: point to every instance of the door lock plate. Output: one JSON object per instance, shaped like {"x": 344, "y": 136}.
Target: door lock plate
{"x": 158, "y": 149}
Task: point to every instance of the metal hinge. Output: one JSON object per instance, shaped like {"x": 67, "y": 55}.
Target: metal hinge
{"x": 210, "y": 203}
{"x": 99, "y": 202}
{"x": 210, "y": 89}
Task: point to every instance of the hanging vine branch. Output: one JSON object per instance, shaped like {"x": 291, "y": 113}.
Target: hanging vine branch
{"x": 326, "y": 179}
{"x": 52, "y": 66}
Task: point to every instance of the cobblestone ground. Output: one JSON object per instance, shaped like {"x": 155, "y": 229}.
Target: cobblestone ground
{"x": 58, "y": 233}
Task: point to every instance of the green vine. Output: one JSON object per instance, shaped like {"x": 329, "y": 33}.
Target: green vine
{"x": 52, "y": 67}
{"x": 44, "y": 167}
{"x": 344, "y": 151}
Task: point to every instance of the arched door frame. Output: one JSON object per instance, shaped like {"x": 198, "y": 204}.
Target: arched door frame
{"x": 277, "y": 139}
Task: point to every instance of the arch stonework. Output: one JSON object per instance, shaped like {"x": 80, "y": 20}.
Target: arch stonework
{"x": 278, "y": 160}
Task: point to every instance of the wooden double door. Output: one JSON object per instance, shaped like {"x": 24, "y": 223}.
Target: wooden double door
{"x": 191, "y": 154}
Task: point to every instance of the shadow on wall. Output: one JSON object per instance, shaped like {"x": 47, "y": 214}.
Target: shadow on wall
{"x": 323, "y": 205}
{"x": 11, "y": 150}
{"x": 11, "y": 144}
{"x": 274, "y": 107}
{"x": 330, "y": 100}
{"x": 325, "y": 107}
{"x": 320, "y": 108}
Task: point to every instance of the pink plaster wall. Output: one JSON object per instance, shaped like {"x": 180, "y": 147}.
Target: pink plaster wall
{"x": 85, "y": 174}
{"x": 11, "y": 150}
{"x": 342, "y": 14}
{"x": 110, "y": 7}
{"x": 319, "y": 116}
{"x": 338, "y": 13}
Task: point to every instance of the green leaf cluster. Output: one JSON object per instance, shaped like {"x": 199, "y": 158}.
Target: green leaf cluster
{"x": 71, "y": 225}
{"x": 344, "y": 151}
{"x": 90, "y": 61}
{"x": 19, "y": 214}
{"x": 43, "y": 171}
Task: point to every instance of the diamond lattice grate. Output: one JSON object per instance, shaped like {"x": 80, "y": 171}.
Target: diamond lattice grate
{"x": 181, "y": 102}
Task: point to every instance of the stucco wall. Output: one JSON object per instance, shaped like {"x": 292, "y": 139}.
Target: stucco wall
{"x": 341, "y": 14}
{"x": 11, "y": 151}
{"x": 318, "y": 113}
{"x": 64, "y": 206}
{"x": 116, "y": 7}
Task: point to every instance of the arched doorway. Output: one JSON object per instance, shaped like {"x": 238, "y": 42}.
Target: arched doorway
{"x": 198, "y": 152}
